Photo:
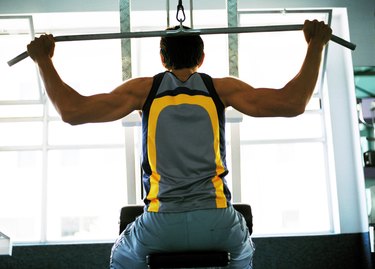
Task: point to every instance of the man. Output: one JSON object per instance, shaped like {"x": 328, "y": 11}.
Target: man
{"x": 187, "y": 203}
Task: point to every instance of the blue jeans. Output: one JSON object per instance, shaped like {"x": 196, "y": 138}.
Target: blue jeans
{"x": 210, "y": 229}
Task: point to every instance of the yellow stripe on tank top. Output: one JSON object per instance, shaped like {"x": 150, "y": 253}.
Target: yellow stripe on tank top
{"x": 157, "y": 106}
{"x": 221, "y": 200}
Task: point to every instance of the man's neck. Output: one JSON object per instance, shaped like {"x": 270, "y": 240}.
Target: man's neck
{"x": 184, "y": 73}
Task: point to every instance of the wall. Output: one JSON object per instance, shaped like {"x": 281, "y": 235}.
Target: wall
{"x": 360, "y": 12}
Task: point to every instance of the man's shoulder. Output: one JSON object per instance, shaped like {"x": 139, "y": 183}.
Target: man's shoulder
{"x": 224, "y": 82}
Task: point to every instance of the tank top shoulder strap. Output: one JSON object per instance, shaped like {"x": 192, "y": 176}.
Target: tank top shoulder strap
{"x": 211, "y": 89}
{"x": 154, "y": 88}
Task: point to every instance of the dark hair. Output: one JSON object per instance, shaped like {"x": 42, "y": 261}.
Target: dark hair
{"x": 181, "y": 51}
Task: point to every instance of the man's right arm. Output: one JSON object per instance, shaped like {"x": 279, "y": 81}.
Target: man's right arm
{"x": 289, "y": 101}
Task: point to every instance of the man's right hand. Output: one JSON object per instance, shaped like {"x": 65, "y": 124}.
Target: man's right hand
{"x": 317, "y": 31}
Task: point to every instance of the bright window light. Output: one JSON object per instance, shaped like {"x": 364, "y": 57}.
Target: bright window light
{"x": 21, "y": 81}
{"x": 73, "y": 178}
{"x": 284, "y": 172}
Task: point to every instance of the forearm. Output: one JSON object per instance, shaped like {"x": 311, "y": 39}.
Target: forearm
{"x": 301, "y": 87}
{"x": 63, "y": 97}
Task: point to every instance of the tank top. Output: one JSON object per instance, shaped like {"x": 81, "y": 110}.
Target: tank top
{"x": 183, "y": 134}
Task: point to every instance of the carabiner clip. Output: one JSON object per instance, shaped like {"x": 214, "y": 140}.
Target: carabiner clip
{"x": 180, "y": 7}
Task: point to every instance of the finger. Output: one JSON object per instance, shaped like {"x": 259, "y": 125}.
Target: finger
{"x": 307, "y": 30}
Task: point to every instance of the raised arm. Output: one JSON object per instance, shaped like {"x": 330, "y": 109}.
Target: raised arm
{"x": 291, "y": 100}
{"x": 75, "y": 108}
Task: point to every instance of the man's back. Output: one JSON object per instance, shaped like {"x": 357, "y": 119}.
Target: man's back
{"x": 184, "y": 145}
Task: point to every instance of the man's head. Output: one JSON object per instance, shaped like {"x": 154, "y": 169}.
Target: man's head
{"x": 181, "y": 51}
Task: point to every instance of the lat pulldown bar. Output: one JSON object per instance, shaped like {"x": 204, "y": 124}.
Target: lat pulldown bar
{"x": 182, "y": 32}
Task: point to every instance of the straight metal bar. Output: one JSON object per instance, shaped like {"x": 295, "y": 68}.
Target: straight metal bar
{"x": 232, "y": 38}
{"x": 184, "y": 32}
{"x": 191, "y": 14}
{"x": 235, "y": 148}
{"x": 126, "y": 53}
{"x": 131, "y": 189}
{"x": 21, "y": 102}
{"x": 168, "y": 9}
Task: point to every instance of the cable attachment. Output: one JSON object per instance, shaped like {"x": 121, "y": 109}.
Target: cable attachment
{"x": 180, "y": 9}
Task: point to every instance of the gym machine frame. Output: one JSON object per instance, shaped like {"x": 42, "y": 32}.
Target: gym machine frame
{"x": 183, "y": 32}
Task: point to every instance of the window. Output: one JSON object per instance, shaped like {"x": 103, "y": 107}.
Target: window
{"x": 65, "y": 183}
{"x": 284, "y": 160}
{"x": 58, "y": 182}
{"x": 15, "y": 32}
